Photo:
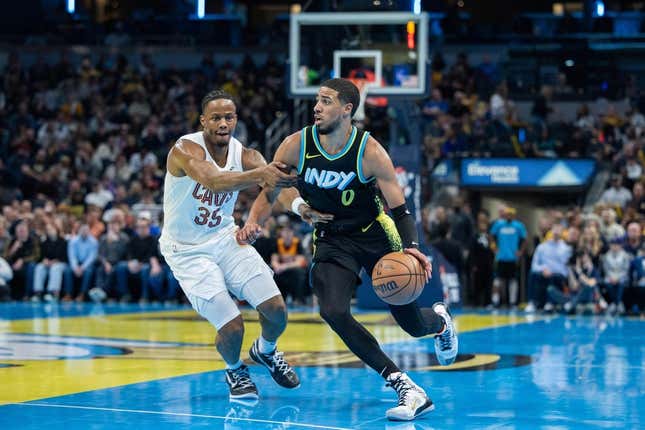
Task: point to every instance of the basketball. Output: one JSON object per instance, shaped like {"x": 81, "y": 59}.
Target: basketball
{"x": 398, "y": 278}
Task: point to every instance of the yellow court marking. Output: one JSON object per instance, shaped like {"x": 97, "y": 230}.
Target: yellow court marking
{"x": 306, "y": 332}
{"x": 42, "y": 379}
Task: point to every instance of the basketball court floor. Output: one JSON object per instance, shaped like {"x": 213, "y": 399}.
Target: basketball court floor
{"x": 80, "y": 366}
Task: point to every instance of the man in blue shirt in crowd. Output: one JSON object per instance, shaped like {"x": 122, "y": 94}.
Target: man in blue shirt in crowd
{"x": 510, "y": 237}
{"x": 82, "y": 250}
{"x": 549, "y": 267}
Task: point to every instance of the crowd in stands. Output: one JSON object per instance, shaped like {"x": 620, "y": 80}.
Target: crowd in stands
{"x": 471, "y": 113}
{"x": 578, "y": 261}
{"x": 82, "y": 152}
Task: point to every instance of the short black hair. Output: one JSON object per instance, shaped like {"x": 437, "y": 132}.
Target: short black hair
{"x": 214, "y": 95}
{"x": 347, "y": 91}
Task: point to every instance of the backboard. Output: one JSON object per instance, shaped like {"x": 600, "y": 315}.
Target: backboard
{"x": 388, "y": 49}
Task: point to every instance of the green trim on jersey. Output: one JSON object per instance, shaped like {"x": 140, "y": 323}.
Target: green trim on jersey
{"x": 346, "y": 148}
{"x": 359, "y": 159}
{"x": 303, "y": 149}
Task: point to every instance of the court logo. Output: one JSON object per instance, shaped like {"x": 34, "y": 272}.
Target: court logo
{"x": 421, "y": 360}
{"x": 24, "y": 347}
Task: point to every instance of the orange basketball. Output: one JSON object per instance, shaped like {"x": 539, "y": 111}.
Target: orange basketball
{"x": 398, "y": 278}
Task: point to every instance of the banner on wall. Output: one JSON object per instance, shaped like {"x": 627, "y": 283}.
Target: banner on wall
{"x": 406, "y": 164}
{"x": 532, "y": 173}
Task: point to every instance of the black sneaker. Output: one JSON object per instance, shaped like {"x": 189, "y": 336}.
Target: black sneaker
{"x": 280, "y": 370}
{"x": 240, "y": 384}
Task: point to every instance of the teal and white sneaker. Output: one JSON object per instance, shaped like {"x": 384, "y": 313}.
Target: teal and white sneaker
{"x": 446, "y": 343}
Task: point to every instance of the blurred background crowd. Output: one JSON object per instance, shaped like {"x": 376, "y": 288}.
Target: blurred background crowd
{"x": 84, "y": 137}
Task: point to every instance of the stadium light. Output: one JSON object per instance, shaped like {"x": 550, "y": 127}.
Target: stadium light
{"x": 600, "y": 8}
{"x": 201, "y": 9}
{"x": 71, "y": 6}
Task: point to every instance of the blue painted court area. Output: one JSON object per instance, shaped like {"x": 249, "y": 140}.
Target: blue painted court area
{"x": 556, "y": 373}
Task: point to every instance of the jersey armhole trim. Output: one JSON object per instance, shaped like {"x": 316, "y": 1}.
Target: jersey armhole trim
{"x": 238, "y": 155}
{"x": 303, "y": 143}
{"x": 359, "y": 159}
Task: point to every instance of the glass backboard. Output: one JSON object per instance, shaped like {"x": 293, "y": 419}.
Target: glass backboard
{"x": 388, "y": 49}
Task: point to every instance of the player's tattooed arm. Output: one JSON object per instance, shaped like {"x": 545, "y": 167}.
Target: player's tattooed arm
{"x": 188, "y": 158}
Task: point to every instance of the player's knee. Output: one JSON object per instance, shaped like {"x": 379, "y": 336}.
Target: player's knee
{"x": 333, "y": 315}
{"x": 232, "y": 329}
{"x": 274, "y": 310}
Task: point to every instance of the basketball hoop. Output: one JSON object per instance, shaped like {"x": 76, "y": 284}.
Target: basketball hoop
{"x": 364, "y": 85}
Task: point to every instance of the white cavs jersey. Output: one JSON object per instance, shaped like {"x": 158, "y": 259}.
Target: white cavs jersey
{"x": 192, "y": 213}
{"x": 199, "y": 245}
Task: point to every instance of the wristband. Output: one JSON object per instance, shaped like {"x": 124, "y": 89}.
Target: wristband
{"x": 295, "y": 204}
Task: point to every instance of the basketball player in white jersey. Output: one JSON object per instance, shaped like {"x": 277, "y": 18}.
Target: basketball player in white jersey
{"x": 205, "y": 171}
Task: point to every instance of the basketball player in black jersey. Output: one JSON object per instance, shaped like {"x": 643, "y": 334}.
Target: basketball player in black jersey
{"x": 339, "y": 168}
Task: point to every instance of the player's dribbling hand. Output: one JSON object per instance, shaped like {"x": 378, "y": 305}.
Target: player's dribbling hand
{"x": 427, "y": 266}
{"x": 312, "y": 216}
{"x": 274, "y": 175}
{"x": 248, "y": 234}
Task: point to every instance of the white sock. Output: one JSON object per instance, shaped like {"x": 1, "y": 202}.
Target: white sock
{"x": 512, "y": 292}
{"x": 265, "y": 346}
{"x": 392, "y": 376}
{"x": 234, "y": 365}
{"x": 495, "y": 299}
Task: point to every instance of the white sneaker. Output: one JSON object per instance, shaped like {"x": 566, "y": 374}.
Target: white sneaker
{"x": 96, "y": 294}
{"x": 530, "y": 308}
{"x": 413, "y": 401}
{"x": 621, "y": 308}
{"x": 602, "y": 303}
{"x": 548, "y": 307}
{"x": 446, "y": 344}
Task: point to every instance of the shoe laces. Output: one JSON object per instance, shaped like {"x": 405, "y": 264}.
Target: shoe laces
{"x": 280, "y": 363}
{"x": 241, "y": 377}
{"x": 445, "y": 338}
{"x": 402, "y": 388}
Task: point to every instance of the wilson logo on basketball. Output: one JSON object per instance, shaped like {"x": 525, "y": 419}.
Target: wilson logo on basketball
{"x": 386, "y": 288}
{"x": 398, "y": 278}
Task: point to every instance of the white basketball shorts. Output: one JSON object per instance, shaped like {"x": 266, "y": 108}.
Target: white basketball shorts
{"x": 209, "y": 271}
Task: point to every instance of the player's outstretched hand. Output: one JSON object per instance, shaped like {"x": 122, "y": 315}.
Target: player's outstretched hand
{"x": 274, "y": 175}
{"x": 247, "y": 234}
{"x": 427, "y": 266}
{"x": 312, "y": 216}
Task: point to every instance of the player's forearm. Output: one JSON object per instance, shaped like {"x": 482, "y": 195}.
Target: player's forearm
{"x": 287, "y": 196}
{"x": 216, "y": 181}
{"x": 262, "y": 206}
{"x": 406, "y": 227}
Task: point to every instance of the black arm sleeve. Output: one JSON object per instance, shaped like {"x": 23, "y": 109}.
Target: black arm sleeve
{"x": 406, "y": 226}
